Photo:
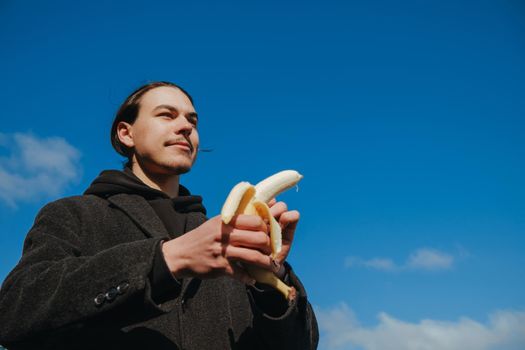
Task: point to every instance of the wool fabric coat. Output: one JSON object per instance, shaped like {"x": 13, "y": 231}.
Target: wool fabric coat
{"x": 85, "y": 282}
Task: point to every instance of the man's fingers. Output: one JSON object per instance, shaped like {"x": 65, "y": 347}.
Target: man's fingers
{"x": 251, "y": 239}
{"x": 272, "y": 202}
{"x": 249, "y": 256}
{"x": 288, "y": 222}
{"x": 278, "y": 208}
{"x": 249, "y": 222}
{"x": 290, "y": 217}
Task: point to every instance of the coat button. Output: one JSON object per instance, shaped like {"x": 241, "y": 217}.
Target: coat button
{"x": 122, "y": 288}
{"x": 111, "y": 294}
{"x": 99, "y": 299}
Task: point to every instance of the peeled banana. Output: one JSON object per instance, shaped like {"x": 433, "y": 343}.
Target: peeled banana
{"x": 244, "y": 198}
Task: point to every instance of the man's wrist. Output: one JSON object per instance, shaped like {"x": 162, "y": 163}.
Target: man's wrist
{"x": 281, "y": 271}
{"x": 163, "y": 283}
{"x": 173, "y": 260}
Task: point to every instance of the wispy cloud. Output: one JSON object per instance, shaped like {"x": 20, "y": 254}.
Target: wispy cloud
{"x": 375, "y": 263}
{"x": 35, "y": 167}
{"x": 420, "y": 259}
{"x": 341, "y": 330}
{"x": 429, "y": 259}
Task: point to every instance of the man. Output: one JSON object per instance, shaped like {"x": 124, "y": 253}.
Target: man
{"x": 135, "y": 263}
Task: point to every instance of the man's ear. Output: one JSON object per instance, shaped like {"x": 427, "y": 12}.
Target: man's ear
{"x": 125, "y": 134}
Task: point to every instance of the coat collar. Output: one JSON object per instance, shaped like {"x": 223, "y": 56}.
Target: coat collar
{"x": 141, "y": 213}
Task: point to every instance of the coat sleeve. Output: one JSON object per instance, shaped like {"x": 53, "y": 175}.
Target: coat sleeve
{"x": 55, "y": 288}
{"x": 282, "y": 326}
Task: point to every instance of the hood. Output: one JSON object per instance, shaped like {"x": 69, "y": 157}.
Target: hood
{"x": 112, "y": 182}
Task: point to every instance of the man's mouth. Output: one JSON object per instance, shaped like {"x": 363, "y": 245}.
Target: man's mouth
{"x": 181, "y": 144}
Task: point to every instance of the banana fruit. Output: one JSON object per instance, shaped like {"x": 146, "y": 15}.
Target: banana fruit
{"x": 244, "y": 198}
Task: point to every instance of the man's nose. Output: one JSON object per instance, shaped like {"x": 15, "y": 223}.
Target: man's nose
{"x": 185, "y": 127}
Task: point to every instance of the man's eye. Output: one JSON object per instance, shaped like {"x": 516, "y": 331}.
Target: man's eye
{"x": 166, "y": 115}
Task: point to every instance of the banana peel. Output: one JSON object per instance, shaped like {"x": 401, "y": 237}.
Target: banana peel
{"x": 244, "y": 198}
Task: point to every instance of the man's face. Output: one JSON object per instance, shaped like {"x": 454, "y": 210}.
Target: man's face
{"x": 164, "y": 135}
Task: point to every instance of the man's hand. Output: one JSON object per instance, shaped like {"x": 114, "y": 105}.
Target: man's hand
{"x": 288, "y": 221}
{"x": 214, "y": 249}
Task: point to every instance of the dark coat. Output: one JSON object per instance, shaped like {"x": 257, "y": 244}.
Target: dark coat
{"x": 83, "y": 282}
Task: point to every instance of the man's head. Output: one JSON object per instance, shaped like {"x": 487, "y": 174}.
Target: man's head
{"x": 156, "y": 129}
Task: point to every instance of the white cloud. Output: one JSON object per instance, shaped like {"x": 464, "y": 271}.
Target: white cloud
{"x": 341, "y": 330}
{"x": 420, "y": 259}
{"x": 430, "y": 259}
{"x": 375, "y": 263}
{"x": 36, "y": 167}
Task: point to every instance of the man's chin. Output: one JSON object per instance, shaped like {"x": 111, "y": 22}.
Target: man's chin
{"x": 177, "y": 169}
{"x": 182, "y": 170}
{"x": 166, "y": 168}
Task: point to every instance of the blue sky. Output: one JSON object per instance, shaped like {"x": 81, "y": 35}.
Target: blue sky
{"x": 406, "y": 119}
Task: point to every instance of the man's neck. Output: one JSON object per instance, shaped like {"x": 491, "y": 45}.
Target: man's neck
{"x": 168, "y": 184}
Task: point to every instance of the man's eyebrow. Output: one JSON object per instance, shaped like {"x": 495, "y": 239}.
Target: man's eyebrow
{"x": 174, "y": 109}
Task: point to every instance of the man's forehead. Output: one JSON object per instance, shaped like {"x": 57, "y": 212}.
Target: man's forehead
{"x": 166, "y": 95}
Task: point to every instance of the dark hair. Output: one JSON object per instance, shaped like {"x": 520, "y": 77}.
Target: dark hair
{"x": 129, "y": 111}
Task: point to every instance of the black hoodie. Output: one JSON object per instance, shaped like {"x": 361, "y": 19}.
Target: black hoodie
{"x": 172, "y": 212}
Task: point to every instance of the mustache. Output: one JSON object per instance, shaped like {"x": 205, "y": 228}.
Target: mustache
{"x": 183, "y": 140}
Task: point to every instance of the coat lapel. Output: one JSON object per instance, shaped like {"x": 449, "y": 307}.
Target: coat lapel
{"x": 141, "y": 213}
